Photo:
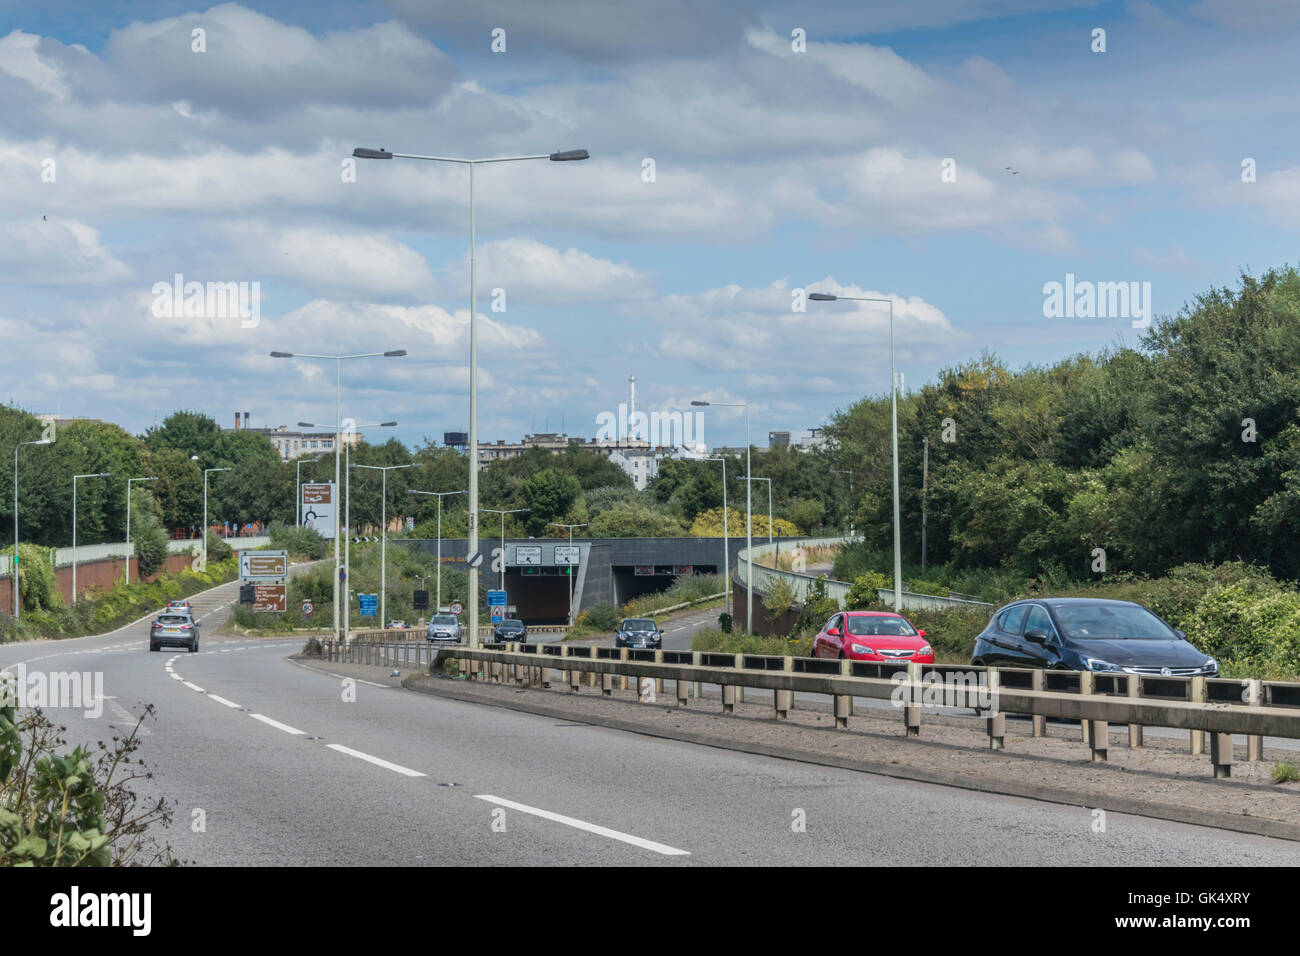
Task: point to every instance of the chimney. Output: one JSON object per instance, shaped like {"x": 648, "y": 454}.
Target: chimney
{"x": 245, "y": 421}
{"x": 236, "y": 421}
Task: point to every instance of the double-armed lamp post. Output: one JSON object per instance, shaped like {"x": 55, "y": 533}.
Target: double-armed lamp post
{"x": 563, "y": 156}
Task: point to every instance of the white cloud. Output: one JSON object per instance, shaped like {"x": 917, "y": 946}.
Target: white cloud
{"x": 533, "y": 272}
{"x": 55, "y": 252}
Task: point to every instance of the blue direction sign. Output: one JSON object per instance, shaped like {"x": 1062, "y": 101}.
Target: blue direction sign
{"x": 369, "y": 604}
{"x": 496, "y": 605}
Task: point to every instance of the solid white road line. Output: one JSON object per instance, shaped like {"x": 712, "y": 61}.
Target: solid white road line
{"x": 277, "y": 725}
{"x": 583, "y": 825}
{"x": 396, "y": 768}
{"x": 222, "y": 700}
{"x": 194, "y": 687}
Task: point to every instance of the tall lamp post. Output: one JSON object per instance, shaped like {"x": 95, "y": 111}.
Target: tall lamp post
{"x": 344, "y": 579}
{"x": 100, "y": 474}
{"x": 557, "y": 157}
{"x": 726, "y": 540}
{"x": 749, "y": 516}
{"x": 128, "y": 524}
{"x": 13, "y": 565}
{"x": 383, "y": 539}
{"x": 206, "y": 472}
{"x": 556, "y": 524}
{"x": 439, "y": 495}
{"x": 893, "y": 406}
{"x": 338, "y": 440}
{"x": 297, "y": 487}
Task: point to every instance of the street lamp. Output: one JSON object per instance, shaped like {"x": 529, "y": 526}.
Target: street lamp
{"x": 347, "y": 497}
{"x": 556, "y": 524}
{"x": 383, "y": 546}
{"x": 297, "y": 487}
{"x": 128, "y": 524}
{"x": 749, "y": 516}
{"x": 338, "y": 440}
{"x": 13, "y": 565}
{"x": 439, "y": 495}
{"x": 498, "y": 511}
{"x": 893, "y": 406}
{"x": 564, "y": 156}
{"x": 206, "y": 472}
{"x": 100, "y": 474}
{"x": 726, "y": 541}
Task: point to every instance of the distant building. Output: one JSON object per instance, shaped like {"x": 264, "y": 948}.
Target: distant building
{"x": 635, "y": 456}
{"x": 296, "y": 444}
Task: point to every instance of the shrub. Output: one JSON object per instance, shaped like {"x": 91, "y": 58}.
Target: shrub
{"x": 599, "y": 617}
{"x": 780, "y": 597}
{"x": 302, "y": 542}
{"x": 863, "y": 593}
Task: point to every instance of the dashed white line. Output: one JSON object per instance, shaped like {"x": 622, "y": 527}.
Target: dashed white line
{"x": 222, "y": 700}
{"x": 377, "y": 761}
{"x": 277, "y": 725}
{"x": 583, "y": 825}
{"x": 192, "y": 686}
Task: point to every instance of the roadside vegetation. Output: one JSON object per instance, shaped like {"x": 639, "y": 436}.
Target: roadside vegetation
{"x": 687, "y": 588}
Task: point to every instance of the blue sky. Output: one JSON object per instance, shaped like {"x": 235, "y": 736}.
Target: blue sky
{"x": 776, "y": 169}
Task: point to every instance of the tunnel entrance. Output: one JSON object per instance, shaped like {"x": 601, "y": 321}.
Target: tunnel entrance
{"x": 538, "y": 598}
{"x": 632, "y": 581}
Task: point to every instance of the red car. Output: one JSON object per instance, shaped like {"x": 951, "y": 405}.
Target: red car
{"x": 880, "y": 636}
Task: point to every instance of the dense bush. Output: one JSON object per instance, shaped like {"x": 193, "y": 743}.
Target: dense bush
{"x": 863, "y": 592}
{"x": 37, "y": 586}
{"x": 300, "y": 542}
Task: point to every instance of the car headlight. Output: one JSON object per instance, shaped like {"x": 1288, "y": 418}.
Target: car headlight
{"x": 1096, "y": 664}
{"x": 925, "y": 650}
{"x": 1210, "y": 664}
{"x": 861, "y": 649}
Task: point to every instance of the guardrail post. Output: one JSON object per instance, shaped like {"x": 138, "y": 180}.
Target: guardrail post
{"x": 844, "y": 702}
{"x": 1086, "y": 686}
{"x": 783, "y": 700}
{"x": 607, "y": 684}
{"x": 1198, "y": 694}
{"x": 659, "y": 681}
{"x": 1221, "y": 754}
{"x": 1038, "y": 681}
{"x": 622, "y": 681}
{"x": 994, "y": 719}
{"x": 697, "y": 688}
{"x": 728, "y": 699}
{"x": 684, "y": 690}
{"x": 1099, "y": 737}
{"x": 912, "y": 709}
{"x": 1134, "y": 730}
{"x": 1254, "y": 742}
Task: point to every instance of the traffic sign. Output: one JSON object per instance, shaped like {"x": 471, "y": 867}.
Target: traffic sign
{"x": 566, "y": 553}
{"x": 369, "y": 604}
{"x": 528, "y": 554}
{"x": 474, "y": 559}
{"x": 270, "y": 597}
{"x": 420, "y": 600}
{"x": 496, "y": 599}
{"x": 457, "y": 608}
{"x": 307, "y": 608}
{"x": 263, "y": 565}
{"x": 317, "y": 507}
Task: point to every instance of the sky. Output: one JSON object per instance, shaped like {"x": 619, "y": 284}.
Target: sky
{"x": 954, "y": 158}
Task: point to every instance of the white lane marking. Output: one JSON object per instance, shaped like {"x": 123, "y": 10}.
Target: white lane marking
{"x": 174, "y": 676}
{"x": 378, "y": 762}
{"x": 194, "y": 687}
{"x": 277, "y": 725}
{"x": 583, "y": 825}
{"x": 222, "y": 700}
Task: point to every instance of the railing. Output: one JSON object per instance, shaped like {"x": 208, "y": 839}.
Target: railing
{"x": 1216, "y": 707}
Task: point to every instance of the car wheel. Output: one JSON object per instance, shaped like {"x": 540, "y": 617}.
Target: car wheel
{"x": 153, "y": 646}
{"x": 194, "y": 647}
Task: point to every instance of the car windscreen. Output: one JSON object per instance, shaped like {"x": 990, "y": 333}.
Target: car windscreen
{"x": 638, "y": 624}
{"x": 1104, "y": 622}
{"x": 511, "y": 622}
{"x": 171, "y": 620}
{"x": 444, "y": 619}
{"x": 887, "y": 626}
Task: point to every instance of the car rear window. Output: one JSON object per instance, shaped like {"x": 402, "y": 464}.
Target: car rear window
{"x": 172, "y": 619}
{"x": 885, "y": 626}
{"x": 1105, "y": 622}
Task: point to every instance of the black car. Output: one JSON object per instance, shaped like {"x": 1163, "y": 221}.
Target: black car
{"x": 175, "y": 627}
{"x": 1088, "y": 634}
{"x": 638, "y": 632}
{"x": 510, "y": 630}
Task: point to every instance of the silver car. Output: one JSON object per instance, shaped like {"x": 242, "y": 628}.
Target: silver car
{"x": 445, "y": 629}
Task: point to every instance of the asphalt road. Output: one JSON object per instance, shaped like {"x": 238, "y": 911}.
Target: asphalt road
{"x": 287, "y": 765}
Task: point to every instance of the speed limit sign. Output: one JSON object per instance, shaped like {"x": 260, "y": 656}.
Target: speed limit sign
{"x": 457, "y": 607}
{"x": 307, "y": 608}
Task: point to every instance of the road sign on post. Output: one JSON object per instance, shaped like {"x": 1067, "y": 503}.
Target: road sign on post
{"x": 457, "y": 608}
{"x": 317, "y": 506}
{"x": 496, "y": 605}
{"x": 263, "y": 565}
{"x": 307, "y": 608}
{"x": 369, "y": 604}
{"x": 270, "y": 597}
{"x": 420, "y": 600}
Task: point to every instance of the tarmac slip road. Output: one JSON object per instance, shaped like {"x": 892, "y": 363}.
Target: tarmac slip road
{"x": 283, "y": 763}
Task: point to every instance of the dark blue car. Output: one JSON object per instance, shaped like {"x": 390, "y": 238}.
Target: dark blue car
{"x": 1088, "y": 634}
